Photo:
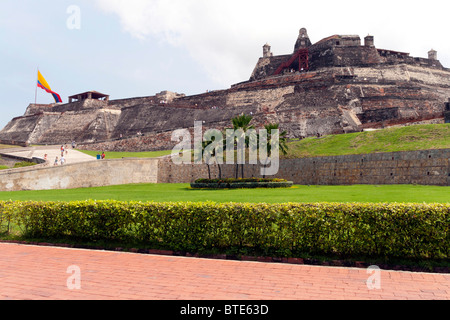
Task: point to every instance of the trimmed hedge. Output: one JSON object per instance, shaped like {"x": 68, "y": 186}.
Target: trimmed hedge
{"x": 247, "y": 183}
{"x": 233, "y": 180}
{"x": 242, "y": 185}
{"x": 283, "y": 230}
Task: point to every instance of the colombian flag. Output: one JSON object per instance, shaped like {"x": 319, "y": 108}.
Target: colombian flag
{"x": 44, "y": 85}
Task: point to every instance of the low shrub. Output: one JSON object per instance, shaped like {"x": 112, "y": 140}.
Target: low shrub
{"x": 24, "y": 164}
{"x": 242, "y": 185}
{"x": 382, "y": 230}
{"x": 248, "y": 183}
{"x": 240, "y": 180}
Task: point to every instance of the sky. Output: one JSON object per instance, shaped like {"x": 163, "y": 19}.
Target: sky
{"x": 135, "y": 48}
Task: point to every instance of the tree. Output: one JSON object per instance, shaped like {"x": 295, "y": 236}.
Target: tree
{"x": 209, "y": 138}
{"x": 242, "y": 122}
{"x": 283, "y": 147}
{"x": 283, "y": 138}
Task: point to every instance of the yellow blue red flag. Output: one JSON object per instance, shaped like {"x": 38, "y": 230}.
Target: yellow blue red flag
{"x": 42, "y": 83}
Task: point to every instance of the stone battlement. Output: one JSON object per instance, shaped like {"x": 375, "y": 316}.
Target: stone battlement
{"x": 337, "y": 51}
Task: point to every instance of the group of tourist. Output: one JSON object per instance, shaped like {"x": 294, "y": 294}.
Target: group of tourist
{"x": 64, "y": 152}
{"x": 62, "y": 160}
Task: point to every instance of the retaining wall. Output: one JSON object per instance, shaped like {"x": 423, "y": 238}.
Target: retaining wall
{"x": 428, "y": 167}
{"x": 95, "y": 173}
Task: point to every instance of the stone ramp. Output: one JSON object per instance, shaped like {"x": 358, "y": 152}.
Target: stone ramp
{"x": 71, "y": 155}
{"x": 80, "y": 171}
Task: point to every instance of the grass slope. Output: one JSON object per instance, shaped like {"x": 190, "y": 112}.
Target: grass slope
{"x": 420, "y": 137}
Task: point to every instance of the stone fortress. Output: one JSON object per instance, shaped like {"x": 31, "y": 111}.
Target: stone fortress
{"x": 337, "y": 85}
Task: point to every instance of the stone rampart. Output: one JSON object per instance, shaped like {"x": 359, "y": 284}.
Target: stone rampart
{"x": 428, "y": 167}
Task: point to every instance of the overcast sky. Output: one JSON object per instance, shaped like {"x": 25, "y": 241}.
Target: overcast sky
{"x": 131, "y": 48}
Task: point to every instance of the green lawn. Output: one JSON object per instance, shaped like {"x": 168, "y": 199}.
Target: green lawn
{"x": 420, "y": 137}
{"x": 120, "y": 155}
{"x": 7, "y": 146}
{"x": 182, "y": 192}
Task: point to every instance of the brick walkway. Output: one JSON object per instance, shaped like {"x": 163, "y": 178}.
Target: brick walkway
{"x": 38, "y": 273}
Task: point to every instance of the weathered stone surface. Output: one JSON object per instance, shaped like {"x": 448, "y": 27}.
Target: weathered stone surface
{"x": 348, "y": 87}
{"x": 427, "y": 167}
{"x": 94, "y": 173}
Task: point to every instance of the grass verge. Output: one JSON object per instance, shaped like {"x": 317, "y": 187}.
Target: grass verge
{"x": 120, "y": 155}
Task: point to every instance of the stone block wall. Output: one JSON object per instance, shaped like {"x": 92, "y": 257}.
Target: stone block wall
{"x": 429, "y": 167}
{"x": 95, "y": 173}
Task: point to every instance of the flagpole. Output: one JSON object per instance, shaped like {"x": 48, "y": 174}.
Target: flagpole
{"x": 35, "y": 94}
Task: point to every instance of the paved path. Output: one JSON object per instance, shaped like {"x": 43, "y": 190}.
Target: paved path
{"x": 38, "y": 273}
{"x": 71, "y": 156}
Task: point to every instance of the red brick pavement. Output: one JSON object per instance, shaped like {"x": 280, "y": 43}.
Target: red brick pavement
{"x": 41, "y": 273}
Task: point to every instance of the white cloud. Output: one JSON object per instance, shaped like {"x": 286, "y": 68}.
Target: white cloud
{"x": 226, "y": 37}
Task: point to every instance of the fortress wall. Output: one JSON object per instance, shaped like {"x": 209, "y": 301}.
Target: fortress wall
{"x": 18, "y": 130}
{"x": 163, "y": 118}
{"x": 428, "y": 167}
{"x": 33, "y": 109}
{"x": 83, "y": 125}
{"x": 326, "y": 101}
{"x": 96, "y": 173}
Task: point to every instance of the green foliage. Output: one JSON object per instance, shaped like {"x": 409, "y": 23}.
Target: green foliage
{"x": 418, "y": 231}
{"x": 283, "y": 145}
{"x": 232, "y": 180}
{"x": 24, "y": 164}
{"x": 241, "y": 183}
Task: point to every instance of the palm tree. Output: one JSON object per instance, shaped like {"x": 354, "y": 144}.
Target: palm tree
{"x": 242, "y": 122}
{"x": 283, "y": 139}
{"x": 204, "y": 145}
{"x": 209, "y": 140}
{"x": 283, "y": 147}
